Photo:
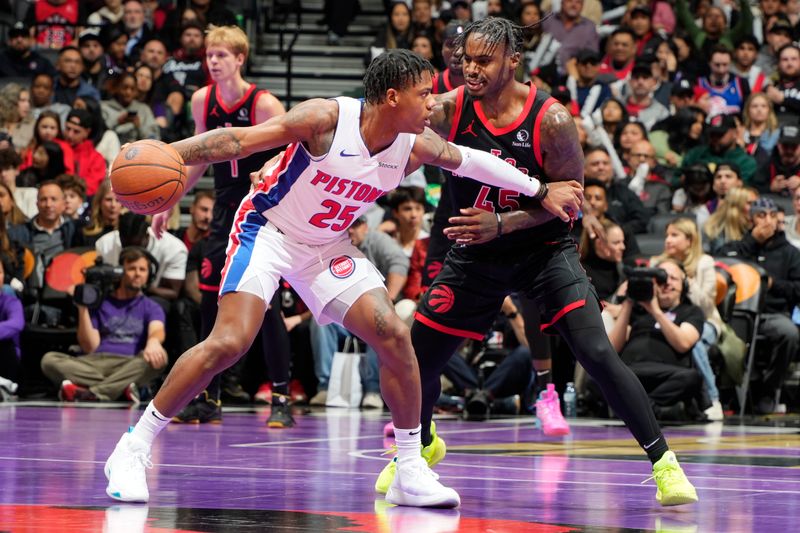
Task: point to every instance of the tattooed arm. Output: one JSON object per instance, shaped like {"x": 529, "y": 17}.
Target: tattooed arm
{"x": 443, "y": 113}
{"x": 306, "y": 121}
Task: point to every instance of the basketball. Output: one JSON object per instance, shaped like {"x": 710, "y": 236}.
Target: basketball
{"x": 148, "y": 177}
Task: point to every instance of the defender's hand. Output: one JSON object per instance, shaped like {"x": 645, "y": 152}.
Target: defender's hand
{"x": 159, "y": 223}
{"x": 257, "y": 178}
{"x": 564, "y": 199}
{"x": 474, "y": 227}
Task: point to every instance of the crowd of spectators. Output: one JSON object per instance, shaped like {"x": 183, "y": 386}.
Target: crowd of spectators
{"x": 684, "y": 109}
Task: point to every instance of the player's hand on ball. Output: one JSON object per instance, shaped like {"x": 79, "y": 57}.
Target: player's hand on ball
{"x": 159, "y": 224}
{"x": 564, "y": 199}
{"x": 257, "y": 178}
{"x": 473, "y": 227}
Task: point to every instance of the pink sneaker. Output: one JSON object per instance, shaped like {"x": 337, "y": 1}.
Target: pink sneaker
{"x": 388, "y": 430}
{"x": 548, "y": 411}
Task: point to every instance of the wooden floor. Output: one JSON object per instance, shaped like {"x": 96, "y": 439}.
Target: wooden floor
{"x": 319, "y": 476}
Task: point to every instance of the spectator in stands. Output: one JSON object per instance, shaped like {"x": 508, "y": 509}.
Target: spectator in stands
{"x": 715, "y": 26}
{"x": 11, "y": 213}
{"x": 75, "y": 206}
{"x": 212, "y": 12}
{"x": 407, "y": 208}
{"x": 785, "y": 93}
{"x": 655, "y": 340}
{"x": 596, "y": 204}
{"x": 690, "y": 64}
{"x": 792, "y": 222}
{"x": 452, "y": 76}
{"x": 122, "y": 341}
{"x": 110, "y": 14}
{"x": 631, "y": 132}
{"x": 168, "y": 253}
{"x": 129, "y": 119}
{"x": 779, "y": 35}
{"x": 105, "y": 140}
{"x": 722, "y": 133}
{"x": 602, "y": 259}
{"x": 422, "y": 19}
{"x": 744, "y": 63}
{"x": 640, "y": 21}
{"x": 15, "y": 114}
{"x": 48, "y": 128}
{"x": 767, "y": 12}
{"x": 624, "y": 206}
{"x": 613, "y": 115}
{"x": 12, "y": 322}
{"x": 768, "y": 247}
{"x": 682, "y": 244}
{"x": 760, "y": 124}
{"x": 56, "y": 22}
{"x": 638, "y": 92}
{"x": 134, "y": 25}
{"x": 154, "y": 15}
{"x": 649, "y": 180}
{"x": 47, "y": 164}
{"x": 392, "y": 263}
{"x": 42, "y": 97}
{"x": 423, "y": 46}
{"x": 784, "y": 166}
{"x": 18, "y": 59}
{"x": 188, "y": 65}
{"x": 89, "y": 164}
{"x": 618, "y": 63}
{"x": 677, "y": 134}
{"x": 95, "y": 68}
{"x": 104, "y": 216}
{"x": 69, "y": 84}
{"x": 726, "y": 177}
{"x": 696, "y": 193}
{"x": 572, "y": 30}
{"x": 24, "y": 197}
{"x": 585, "y": 88}
{"x": 48, "y": 233}
{"x": 729, "y": 222}
{"x": 200, "y": 219}
{"x": 167, "y": 92}
{"x": 115, "y": 42}
{"x": 395, "y": 34}
{"x": 539, "y": 49}
{"x": 728, "y": 92}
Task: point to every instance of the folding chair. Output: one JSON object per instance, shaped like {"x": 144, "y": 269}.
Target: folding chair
{"x": 751, "y": 290}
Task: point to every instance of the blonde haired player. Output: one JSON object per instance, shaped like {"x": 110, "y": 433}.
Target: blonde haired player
{"x": 344, "y": 154}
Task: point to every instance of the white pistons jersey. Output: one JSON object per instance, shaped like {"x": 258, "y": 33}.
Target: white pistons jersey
{"x": 315, "y": 199}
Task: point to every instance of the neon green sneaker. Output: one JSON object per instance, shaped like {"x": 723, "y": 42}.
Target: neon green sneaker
{"x": 432, "y": 453}
{"x": 674, "y": 487}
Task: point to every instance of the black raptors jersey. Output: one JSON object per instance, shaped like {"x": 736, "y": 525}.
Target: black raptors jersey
{"x": 517, "y": 144}
{"x": 232, "y": 178}
{"x": 442, "y": 83}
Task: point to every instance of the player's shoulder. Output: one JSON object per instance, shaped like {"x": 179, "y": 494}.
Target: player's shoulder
{"x": 200, "y": 95}
{"x": 323, "y": 113}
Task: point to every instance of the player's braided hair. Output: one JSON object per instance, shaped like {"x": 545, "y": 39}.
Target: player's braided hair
{"x": 393, "y": 69}
{"x": 495, "y": 31}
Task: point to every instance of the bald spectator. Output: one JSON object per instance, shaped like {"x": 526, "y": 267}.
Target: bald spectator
{"x": 18, "y": 59}
{"x": 572, "y": 30}
{"x": 70, "y": 85}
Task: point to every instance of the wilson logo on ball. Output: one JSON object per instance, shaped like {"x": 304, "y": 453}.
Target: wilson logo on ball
{"x": 441, "y": 298}
{"x": 342, "y": 267}
{"x": 130, "y": 154}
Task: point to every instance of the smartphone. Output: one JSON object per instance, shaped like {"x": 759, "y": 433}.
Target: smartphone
{"x": 132, "y": 114}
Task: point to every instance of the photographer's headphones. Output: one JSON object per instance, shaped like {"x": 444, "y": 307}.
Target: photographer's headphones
{"x": 685, "y": 284}
{"x": 152, "y": 264}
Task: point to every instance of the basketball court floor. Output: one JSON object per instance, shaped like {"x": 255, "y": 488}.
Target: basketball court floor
{"x": 241, "y": 476}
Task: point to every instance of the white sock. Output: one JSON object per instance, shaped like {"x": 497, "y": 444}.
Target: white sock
{"x": 409, "y": 443}
{"x": 150, "y": 425}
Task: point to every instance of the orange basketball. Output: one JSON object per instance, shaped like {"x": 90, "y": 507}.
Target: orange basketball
{"x": 148, "y": 177}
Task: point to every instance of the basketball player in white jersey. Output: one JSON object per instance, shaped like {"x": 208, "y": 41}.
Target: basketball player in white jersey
{"x": 342, "y": 156}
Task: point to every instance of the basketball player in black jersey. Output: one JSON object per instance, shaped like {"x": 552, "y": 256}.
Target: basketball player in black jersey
{"x": 230, "y": 102}
{"x": 513, "y": 245}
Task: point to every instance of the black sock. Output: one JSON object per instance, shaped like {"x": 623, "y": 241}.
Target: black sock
{"x": 543, "y": 378}
{"x": 656, "y": 449}
{"x": 280, "y": 388}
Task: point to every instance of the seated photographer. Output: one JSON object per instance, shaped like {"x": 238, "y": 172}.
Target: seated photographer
{"x": 654, "y": 334}
{"x": 122, "y": 337}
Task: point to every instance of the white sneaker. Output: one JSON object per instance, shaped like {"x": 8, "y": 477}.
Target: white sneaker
{"x": 416, "y": 485}
{"x": 372, "y": 400}
{"x": 320, "y": 398}
{"x": 714, "y": 413}
{"x": 125, "y": 470}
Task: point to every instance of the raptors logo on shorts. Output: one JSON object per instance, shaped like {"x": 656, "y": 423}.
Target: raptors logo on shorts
{"x": 441, "y": 298}
{"x": 434, "y": 268}
{"x": 206, "y": 267}
{"x": 342, "y": 267}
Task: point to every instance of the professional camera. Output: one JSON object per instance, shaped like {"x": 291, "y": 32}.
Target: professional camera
{"x": 640, "y": 282}
{"x": 100, "y": 280}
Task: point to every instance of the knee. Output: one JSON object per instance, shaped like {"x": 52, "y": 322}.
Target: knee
{"x": 395, "y": 340}
{"x": 49, "y": 363}
{"x": 220, "y": 352}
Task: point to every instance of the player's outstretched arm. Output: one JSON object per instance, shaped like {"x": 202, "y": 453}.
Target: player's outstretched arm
{"x": 302, "y": 123}
{"x": 430, "y": 149}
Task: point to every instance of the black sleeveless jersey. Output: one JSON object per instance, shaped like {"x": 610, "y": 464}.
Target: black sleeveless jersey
{"x": 442, "y": 83}
{"x": 232, "y": 178}
{"x": 517, "y": 144}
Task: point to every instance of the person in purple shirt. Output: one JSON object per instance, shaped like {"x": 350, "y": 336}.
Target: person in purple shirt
{"x": 122, "y": 339}
{"x": 12, "y": 320}
{"x": 573, "y": 31}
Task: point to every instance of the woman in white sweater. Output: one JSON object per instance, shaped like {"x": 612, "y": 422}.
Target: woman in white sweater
{"x": 682, "y": 243}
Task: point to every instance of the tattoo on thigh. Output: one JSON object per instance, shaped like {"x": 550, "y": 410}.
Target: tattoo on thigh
{"x": 381, "y": 310}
